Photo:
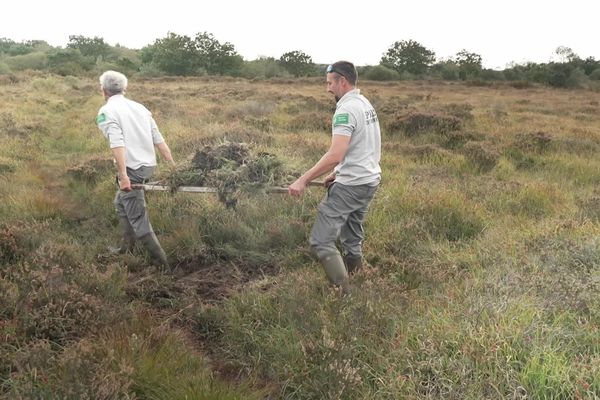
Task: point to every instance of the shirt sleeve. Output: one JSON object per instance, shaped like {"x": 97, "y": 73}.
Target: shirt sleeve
{"x": 110, "y": 129}
{"x": 157, "y": 137}
{"x": 343, "y": 123}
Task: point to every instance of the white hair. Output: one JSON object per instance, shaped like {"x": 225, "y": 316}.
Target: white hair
{"x": 113, "y": 82}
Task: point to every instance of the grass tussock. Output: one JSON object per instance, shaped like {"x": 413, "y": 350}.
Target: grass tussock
{"x": 482, "y": 155}
{"x": 92, "y": 170}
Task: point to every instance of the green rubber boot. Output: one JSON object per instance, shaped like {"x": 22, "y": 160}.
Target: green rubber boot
{"x": 127, "y": 237}
{"x": 353, "y": 263}
{"x": 336, "y": 272}
{"x": 156, "y": 251}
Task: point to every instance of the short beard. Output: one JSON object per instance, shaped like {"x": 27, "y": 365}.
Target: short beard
{"x": 337, "y": 99}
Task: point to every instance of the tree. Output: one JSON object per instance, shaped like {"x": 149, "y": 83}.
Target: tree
{"x": 408, "y": 56}
{"x": 469, "y": 64}
{"x": 297, "y": 63}
{"x": 182, "y": 55}
{"x": 217, "y": 58}
{"x": 590, "y": 65}
{"x": 89, "y": 47}
{"x": 174, "y": 54}
{"x": 446, "y": 69}
{"x": 565, "y": 54}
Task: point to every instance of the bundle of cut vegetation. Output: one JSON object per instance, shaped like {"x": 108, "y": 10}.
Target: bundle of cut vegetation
{"x": 232, "y": 168}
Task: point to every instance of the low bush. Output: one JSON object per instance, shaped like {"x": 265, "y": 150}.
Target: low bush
{"x": 416, "y": 123}
{"x": 34, "y": 61}
{"x": 462, "y": 111}
{"x": 311, "y": 122}
{"x": 533, "y": 142}
{"x": 381, "y": 73}
{"x": 482, "y": 155}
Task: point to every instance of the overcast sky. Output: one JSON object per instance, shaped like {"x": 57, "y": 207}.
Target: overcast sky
{"x": 359, "y": 31}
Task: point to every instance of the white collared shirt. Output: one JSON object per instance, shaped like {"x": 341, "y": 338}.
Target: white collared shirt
{"x": 126, "y": 123}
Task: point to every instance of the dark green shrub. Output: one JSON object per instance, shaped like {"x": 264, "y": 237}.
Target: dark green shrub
{"x": 595, "y": 75}
{"x": 492, "y": 75}
{"x": 447, "y": 70}
{"x": 263, "y": 68}
{"x": 381, "y": 73}
{"x": 34, "y": 61}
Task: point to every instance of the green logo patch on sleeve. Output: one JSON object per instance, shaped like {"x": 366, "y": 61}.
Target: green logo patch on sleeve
{"x": 340, "y": 119}
{"x": 100, "y": 118}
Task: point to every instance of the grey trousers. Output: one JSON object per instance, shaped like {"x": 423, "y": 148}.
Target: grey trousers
{"x": 132, "y": 205}
{"x": 341, "y": 214}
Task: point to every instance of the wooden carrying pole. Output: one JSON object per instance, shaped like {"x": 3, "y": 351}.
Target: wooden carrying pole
{"x": 204, "y": 189}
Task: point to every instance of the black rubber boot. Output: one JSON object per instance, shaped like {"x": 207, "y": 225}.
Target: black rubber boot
{"x": 127, "y": 237}
{"x": 156, "y": 251}
{"x": 336, "y": 272}
{"x": 353, "y": 263}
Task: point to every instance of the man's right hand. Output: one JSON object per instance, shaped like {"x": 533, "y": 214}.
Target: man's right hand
{"x": 297, "y": 188}
{"x": 124, "y": 183}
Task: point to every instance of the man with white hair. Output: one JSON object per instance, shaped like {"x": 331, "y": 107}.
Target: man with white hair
{"x": 132, "y": 134}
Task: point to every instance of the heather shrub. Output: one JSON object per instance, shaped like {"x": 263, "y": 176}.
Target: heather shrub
{"x": 310, "y": 121}
{"x": 481, "y": 154}
{"x": 595, "y": 75}
{"x": 417, "y": 123}
{"x": 457, "y": 139}
{"x": 462, "y": 111}
{"x": 35, "y": 61}
{"x": 533, "y": 142}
